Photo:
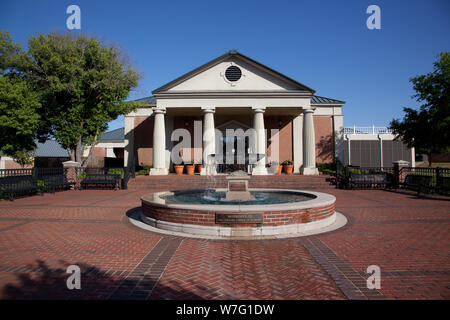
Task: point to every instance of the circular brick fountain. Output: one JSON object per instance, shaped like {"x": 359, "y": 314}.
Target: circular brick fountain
{"x": 234, "y": 219}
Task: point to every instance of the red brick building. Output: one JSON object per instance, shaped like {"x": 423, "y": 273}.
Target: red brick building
{"x": 234, "y": 92}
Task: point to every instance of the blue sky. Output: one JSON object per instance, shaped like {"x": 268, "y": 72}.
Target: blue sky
{"x": 322, "y": 44}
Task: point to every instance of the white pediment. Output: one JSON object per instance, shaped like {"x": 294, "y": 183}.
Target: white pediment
{"x": 211, "y": 77}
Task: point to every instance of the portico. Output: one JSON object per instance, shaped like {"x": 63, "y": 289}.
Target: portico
{"x": 234, "y": 92}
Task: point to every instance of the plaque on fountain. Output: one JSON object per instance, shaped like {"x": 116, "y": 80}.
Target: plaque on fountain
{"x": 236, "y": 218}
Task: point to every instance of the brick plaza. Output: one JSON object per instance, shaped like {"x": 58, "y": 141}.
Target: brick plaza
{"x": 406, "y": 235}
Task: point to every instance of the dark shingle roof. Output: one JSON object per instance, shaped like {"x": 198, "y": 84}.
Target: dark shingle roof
{"x": 314, "y": 100}
{"x": 319, "y": 100}
{"x": 113, "y": 135}
{"x": 147, "y": 100}
{"x": 50, "y": 148}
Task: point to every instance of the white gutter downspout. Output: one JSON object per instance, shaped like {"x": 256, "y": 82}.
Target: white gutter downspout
{"x": 381, "y": 151}
{"x": 349, "y": 153}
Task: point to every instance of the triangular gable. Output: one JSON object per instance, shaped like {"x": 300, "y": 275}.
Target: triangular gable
{"x": 255, "y": 77}
{"x": 232, "y": 124}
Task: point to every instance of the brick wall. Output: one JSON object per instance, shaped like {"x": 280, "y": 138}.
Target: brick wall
{"x": 284, "y": 135}
{"x": 207, "y": 218}
{"x": 143, "y": 140}
{"x": 323, "y": 128}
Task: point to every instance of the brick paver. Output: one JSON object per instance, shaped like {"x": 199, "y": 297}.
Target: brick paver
{"x": 405, "y": 235}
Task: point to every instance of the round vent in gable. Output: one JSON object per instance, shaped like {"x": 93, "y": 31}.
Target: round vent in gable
{"x": 233, "y": 73}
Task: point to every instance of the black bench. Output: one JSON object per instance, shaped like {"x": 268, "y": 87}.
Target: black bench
{"x": 101, "y": 179}
{"x": 368, "y": 180}
{"x": 55, "y": 181}
{"x": 443, "y": 185}
{"x": 417, "y": 182}
{"x": 18, "y": 184}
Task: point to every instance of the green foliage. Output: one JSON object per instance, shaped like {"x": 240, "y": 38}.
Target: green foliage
{"x": 19, "y": 105}
{"x": 82, "y": 175}
{"x": 143, "y": 172}
{"x": 287, "y": 162}
{"x": 23, "y": 157}
{"x": 428, "y": 129}
{"x": 118, "y": 171}
{"x": 82, "y": 84}
{"x": 327, "y": 168}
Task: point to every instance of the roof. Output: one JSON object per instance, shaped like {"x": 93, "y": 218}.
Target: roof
{"x": 319, "y": 100}
{"x": 147, "y": 100}
{"x": 231, "y": 53}
{"x": 50, "y": 148}
{"x": 114, "y": 135}
{"x": 314, "y": 100}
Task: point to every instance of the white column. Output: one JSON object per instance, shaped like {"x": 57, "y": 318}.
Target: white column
{"x": 258, "y": 125}
{"x": 128, "y": 157}
{"x": 309, "y": 144}
{"x": 159, "y": 143}
{"x": 297, "y": 141}
{"x": 209, "y": 135}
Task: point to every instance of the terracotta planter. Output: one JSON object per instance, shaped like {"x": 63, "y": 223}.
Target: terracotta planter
{"x": 199, "y": 168}
{"x": 178, "y": 168}
{"x": 279, "y": 169}
{"x": 288, "y": 168}
{"x": 190, "y": 169}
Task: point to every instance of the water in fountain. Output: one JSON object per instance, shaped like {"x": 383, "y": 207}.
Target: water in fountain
{"x": 211, "y": 171}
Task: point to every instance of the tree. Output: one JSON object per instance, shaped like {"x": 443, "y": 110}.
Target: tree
{"x": 428, "y": 129}
{"x": 19, "y": 104}
{"x": 24, "y": 157}
{"x": 82, "y": 85}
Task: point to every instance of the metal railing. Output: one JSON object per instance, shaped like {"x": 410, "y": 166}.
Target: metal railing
{"x": 439, "y": 181}
{"x": 34, "y": 172}
{"x": 367, "y": 130}
{"x": 22, "y": 178}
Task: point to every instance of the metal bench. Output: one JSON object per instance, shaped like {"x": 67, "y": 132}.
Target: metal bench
{"x": 443, "y": 185}
{"x": 417, "y": 182}
{"x": 18, "y": 184}
{"x": 101, "y": 179}
{"x": 56, "y": 181}
{"x": 368, "y": 180}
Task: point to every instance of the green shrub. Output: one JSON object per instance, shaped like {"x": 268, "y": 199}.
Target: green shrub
{"x": 142, "y": 172}
{"x": 287, "y": 162}
{"x": 327, "y": 168}
{"x": 116, "y": 171}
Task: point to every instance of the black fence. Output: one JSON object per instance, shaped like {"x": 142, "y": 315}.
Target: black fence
{"x": 426, "y": 180}
{"x": 31, "y": 180}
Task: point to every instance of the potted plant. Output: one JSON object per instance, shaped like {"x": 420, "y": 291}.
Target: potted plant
{"x": 199, "y": 166}
{"x": 178, "y": 168}
{"x": 190, "y": 167}
{"x": 288, "y": 166}
{"x": 276, "y": 167}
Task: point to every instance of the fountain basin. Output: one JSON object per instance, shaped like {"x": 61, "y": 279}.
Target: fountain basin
{"x": 306, "y": 211}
